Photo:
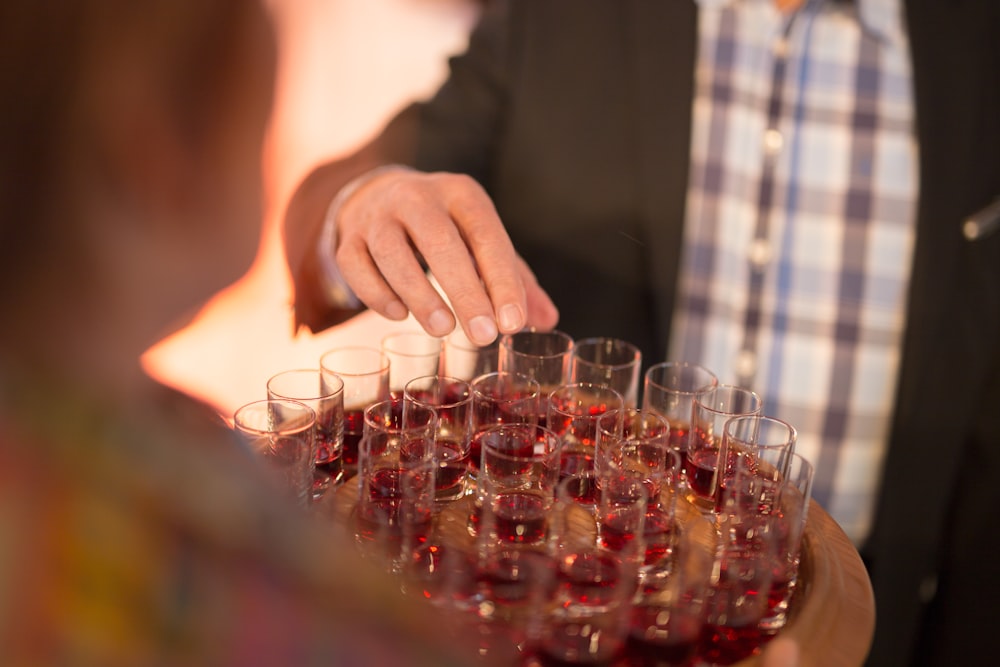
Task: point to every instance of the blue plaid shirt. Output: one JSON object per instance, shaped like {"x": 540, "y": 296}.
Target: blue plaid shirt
{"x": 800, "y": 225}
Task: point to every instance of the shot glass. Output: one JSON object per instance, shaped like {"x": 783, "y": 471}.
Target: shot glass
{"x": 451, "y": 400}
{"x": 667, "y": 619}
{"x": 517, "y": 484}
{"x": 543, "y": 356}
{"x": 396, "y": 481}
{"x": 411, "y": 354}
{"x": 325, "y": 395}
{"x": 574, "y": 518}
{"x": 637, "y": 440}
{"x": 636, "y": 443}
{"x": 709, "y": 413}
{"x": 365, "y": 374}
{"x": 281, "y": 432}
{"x": 789, "y": 516}
{"x": 621, "y": 516}
{"x": 669, "y": 389}
{"x": 754, "y": 441}
{"x": 737, "y": 602}
{"x": 608, "y": 361}
{"x": 516, "y": 587}
{"x": 588, "y": 619}
{"x": 501, "y": 398}
{"x": 572, "y": 414}
{"x": 463, "y": 359}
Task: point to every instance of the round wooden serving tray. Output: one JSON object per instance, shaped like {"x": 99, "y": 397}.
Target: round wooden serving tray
{"x": 832, "y": 616}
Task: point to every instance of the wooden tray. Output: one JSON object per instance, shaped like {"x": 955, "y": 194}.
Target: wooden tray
{"x": 832, "y": 616}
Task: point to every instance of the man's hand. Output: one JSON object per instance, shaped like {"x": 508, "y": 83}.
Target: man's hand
{"x": 448, "y": 220}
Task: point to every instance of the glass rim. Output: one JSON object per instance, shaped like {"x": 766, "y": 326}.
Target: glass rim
{"x": 757, "y": 401}
{"x": 451, "y": 380}
{"x": 352, "y": 350}
{"x": 688, "y": 365}
{"x": 600, "y": 390}
{"x": 627, "y": 347}
{"x": 305, "y": 417}
{"x": 507, "y": 341}
{"x": 416, "y": 335}
{"x": 549, "y": 434}
{"x": 521, "y": 380}
{"x": 369, "y": 419}
{"x": 629, "y": 411}
{"x": 321, "y": 395}
{"x": 758, "y": 418}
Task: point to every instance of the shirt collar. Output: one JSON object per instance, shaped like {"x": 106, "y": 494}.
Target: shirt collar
{"x": 883, "y": 18}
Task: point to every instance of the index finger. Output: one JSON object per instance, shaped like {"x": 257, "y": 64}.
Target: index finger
{"x": 495, "y": 259}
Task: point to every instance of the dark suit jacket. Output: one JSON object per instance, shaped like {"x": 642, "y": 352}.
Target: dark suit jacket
{"x": 575, "y": 115}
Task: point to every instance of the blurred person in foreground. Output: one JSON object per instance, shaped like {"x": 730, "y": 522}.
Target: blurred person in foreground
{"x": 134, "y": 530}
{"x": 780, "y": 190}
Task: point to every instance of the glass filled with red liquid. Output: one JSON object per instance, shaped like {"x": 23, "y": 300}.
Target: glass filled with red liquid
{"x": 709, "y": 413}
{"x": 325, "y": 395}
{"x": 501, "y": 398}
{"x": 281, "y": 433}
{"x": 666, "y": 621}
{"x": 573, "y": 413}
{"x": 737, "y": 602}
{"x": 517, "y": 482}
{"x": 396, "y": 480}
{"x": 587, "y": 622}
{"x": 621, "y": 516}
{"x": 757, "y": 443}
{"x": 364, "y": 372}
{"x": 669, "y": 389}
{"x": 544, "y": 356}
{"x": 451, "y": 400}
{"x": 611, "y": 362}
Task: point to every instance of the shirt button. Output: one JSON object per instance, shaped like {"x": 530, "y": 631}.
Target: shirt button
{"x": 928, "y": 588}
{"x": 760, "y": 253}
{"x": 773, "y": 141}
{"x": 746, "y": 363}
{"x": 781, "y": 48}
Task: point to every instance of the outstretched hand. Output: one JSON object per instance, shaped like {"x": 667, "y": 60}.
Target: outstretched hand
{"x": 401, "y": 217}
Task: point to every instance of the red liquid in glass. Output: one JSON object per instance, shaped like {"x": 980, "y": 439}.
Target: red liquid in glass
{"x": 574, "y": 462}
{"x": 589, "y": 578}
{"x": 736, "y": 606}
{"x": 701, "y": 471}
{"x": 573, "y": 649}
{"x": 617, "y": 530}
{"x": 584, "y": 491}
{"x": 778, "y": 595}
{"x": 728, "y": 644}
{"x": 515, "y": 578}
{"x": 658, "y": 534}
{"x": 641, "y": 652}
{"x": 384, "y": 489}
{"x": 446, "y": 479}
{"x": 679, "y": 435}
{"x": 354, "y": 428}
{"x": 519, "y": 518}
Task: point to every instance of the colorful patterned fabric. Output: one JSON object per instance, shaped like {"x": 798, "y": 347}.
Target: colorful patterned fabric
{"x": 800, "y": 225}
{"x": 144, "y": 542}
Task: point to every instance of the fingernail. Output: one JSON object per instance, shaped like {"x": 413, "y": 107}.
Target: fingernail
{"x": 395, "y": 310}
{"x": 482, "y": 330}
{"x": 440, "y": 323}
{"x": 511, "y": 319}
